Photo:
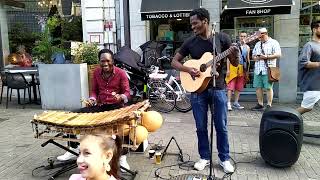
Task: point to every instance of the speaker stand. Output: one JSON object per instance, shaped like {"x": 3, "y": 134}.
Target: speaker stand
{"x": 180, "y": 150}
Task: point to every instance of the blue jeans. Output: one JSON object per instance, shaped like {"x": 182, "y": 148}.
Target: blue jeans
{"x": 217, "y": 101}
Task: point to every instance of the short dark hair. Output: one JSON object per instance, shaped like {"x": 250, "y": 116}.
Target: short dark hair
{"x": 315, "y": 24}
{"x": 243, "y": 32}
{"x": 201, "y": 13}
{"x": 102, "y": 51}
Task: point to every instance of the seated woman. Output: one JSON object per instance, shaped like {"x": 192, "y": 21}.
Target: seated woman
{"x": 25, "y": 58}
{"x": 98, "y": 158}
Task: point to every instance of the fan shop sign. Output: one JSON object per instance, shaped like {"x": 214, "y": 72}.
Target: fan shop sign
{"x": 258, "y": 11}
{"x": 261, "y": 11}
{"x": 165, "y": 15}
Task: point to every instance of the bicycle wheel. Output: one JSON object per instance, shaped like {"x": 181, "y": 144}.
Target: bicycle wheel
{"x": 161, "y": 96}
{"x": 183, "y": 103}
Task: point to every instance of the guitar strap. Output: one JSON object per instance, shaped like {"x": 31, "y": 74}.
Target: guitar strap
{"x": 262, "y": 52}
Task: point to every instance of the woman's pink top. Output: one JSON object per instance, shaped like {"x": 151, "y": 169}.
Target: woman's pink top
{"x": 79, "y": 177}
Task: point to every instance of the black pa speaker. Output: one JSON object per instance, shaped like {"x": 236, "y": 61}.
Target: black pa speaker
{"x": 281, "y": 134}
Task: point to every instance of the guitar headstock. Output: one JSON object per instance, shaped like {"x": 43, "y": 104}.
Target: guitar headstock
{"x": 233, "y": 54}
{"x": 252, "y": 37}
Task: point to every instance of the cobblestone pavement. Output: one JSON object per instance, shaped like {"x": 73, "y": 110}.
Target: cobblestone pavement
{"x": 21, "y": 153}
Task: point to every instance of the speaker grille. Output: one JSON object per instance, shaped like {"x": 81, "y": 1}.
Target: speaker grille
{"x": 279, "y": 148}
{"x": 297, "y": 129}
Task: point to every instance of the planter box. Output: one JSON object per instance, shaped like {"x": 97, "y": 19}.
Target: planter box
{"x": 91, "y": 69}
{"x": 62, "y": 86}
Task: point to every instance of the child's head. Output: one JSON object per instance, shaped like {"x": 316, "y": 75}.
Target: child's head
{"x": 99, "y": 154}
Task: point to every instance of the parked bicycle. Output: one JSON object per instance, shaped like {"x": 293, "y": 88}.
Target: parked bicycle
{"x": 151, "y": 86}
{"x": 163, "y": 90}
{"x": 183, "y": 103}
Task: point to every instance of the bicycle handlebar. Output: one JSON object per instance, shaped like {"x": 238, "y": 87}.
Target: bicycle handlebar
{"x": 165, "y": 58}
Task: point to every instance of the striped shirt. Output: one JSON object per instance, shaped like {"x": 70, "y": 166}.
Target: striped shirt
{"x": 270, "y": 47}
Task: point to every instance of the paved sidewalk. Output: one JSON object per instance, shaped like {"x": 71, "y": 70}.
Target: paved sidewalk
{"x": 21, "y": 153}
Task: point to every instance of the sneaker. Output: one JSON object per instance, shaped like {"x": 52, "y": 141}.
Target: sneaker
{"x": 229, "y": 106}
{"x": 227, "y": 166}
{"x": 268, "y": 106}
{"x": 237, "y": 106}
{"x": 68, "y": 156}
{"x": 201, "y": 164}
{"x": 123, "y": 163}
{"x": 258, "y": 107}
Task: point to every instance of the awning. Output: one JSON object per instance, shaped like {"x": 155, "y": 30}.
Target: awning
{"x": 257, "y": 7}
{"x": 14, "y": 3}
{"x": 167, "y": 9}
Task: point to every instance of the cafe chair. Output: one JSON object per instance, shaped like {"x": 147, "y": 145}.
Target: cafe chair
{"x": 37, "y": 81}
{"x": 3, "y": 84}
{"x": 18, "y": 81}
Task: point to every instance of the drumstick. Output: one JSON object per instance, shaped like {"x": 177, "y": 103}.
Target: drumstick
{"x": 85, "y": 101}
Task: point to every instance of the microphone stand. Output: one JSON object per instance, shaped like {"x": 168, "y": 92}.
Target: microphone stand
{"x": 214, "y": 73}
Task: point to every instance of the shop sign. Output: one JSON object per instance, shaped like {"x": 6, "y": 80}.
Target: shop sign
{"x": 256, "y": 1}
{"x": 165, "y": 15}
{"x": 259, "y": 11}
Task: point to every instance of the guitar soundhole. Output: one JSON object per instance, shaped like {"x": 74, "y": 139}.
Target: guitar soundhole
{"x": 203, "y": 68}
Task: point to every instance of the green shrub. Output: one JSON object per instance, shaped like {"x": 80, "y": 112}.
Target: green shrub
{"x": 86, "y": 53}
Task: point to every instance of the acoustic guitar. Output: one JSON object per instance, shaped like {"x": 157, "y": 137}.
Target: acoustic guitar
{"x": 204, "y": 65}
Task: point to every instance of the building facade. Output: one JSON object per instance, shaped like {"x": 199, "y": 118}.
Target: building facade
{"x": 168, "y": 21}
{"x": 282, "y": 23}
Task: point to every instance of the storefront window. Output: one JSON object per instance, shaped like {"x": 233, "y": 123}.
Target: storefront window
{"x": 172, "y": 32}
{"x": 251, "y": 25}
{"x": 310, "y": 11}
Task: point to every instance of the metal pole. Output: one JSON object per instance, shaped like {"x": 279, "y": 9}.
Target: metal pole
{"x": 126, "y": 18}
{"x": 118, "y": 24}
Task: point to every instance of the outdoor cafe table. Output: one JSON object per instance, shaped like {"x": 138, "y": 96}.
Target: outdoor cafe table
{"x": 27, "y": 70}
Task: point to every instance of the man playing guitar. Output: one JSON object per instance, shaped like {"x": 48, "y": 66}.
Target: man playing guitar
{"x": 215, "y": 97}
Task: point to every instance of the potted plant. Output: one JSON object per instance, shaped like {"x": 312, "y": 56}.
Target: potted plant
{"x": 59, "y": 81}
{"x": 47, "y": 46}
{"x": 87, "y": 53}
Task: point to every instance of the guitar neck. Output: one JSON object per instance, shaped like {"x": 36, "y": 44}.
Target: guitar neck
{"x": 228, "y": 51}
{"x": 219, "y": 57}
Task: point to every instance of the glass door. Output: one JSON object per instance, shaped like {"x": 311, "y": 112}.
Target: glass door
{"x": 250, "y": 25}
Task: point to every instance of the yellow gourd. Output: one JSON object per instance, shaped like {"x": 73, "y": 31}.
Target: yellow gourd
{"x": 141, "y": 134}
{"x": 152, "y": 120}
